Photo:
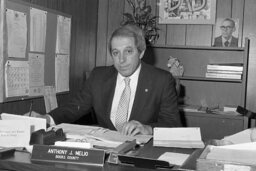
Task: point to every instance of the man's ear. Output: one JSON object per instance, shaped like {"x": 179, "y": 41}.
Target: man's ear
{"x": 142, "y": 54}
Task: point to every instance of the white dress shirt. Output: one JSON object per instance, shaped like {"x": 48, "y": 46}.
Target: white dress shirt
{"x": 120, "y": 85}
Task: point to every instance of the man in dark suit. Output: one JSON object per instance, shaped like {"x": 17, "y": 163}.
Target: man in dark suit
{"x": 152, "y": 97}
{"x": 226, "y": 39}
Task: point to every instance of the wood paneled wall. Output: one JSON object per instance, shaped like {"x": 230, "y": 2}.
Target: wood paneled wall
{"x": 83, "y": 48}
{"x": 110, "y": 16}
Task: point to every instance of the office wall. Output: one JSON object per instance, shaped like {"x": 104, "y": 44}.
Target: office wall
{"x": 83, "y": 48}
{"x": 110, "y": 16}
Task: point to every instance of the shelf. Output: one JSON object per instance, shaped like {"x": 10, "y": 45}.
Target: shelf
{"x": 209, "y": 115}
{"x": 209, "y": 79}
{"x": 199, "y": 47}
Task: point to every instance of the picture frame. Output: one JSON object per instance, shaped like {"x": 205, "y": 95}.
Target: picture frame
{"x": 217, "y": 42}
{"x": 187, "y": 11}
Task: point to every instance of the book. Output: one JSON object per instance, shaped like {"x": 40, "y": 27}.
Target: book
{"x": 226, "y": 67}
{"x": 178, "y": 137}
{"x": 222, "y": 75}
{"x": 225, "y": 72}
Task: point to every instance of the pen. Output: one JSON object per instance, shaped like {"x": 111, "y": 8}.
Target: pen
{"x": 30, "y": 108}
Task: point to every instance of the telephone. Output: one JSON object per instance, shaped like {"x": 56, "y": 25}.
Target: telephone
{"x": 47, "y": 137}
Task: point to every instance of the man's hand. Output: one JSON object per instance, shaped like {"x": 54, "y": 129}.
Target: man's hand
{"x": 134, "y": 127}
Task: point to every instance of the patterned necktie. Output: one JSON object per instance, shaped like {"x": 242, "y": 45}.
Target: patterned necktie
{"x": 226, "y": 43}
{"x": 123, "y": 106}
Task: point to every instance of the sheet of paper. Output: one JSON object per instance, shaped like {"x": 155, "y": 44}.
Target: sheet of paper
{"x": 34, "y": 123}
{"x": 63, "y": 34}
{"x": 16, "y": 78}
{"x": 174, "y": 158}
{"x": 15, "y": 133}
{"x": 36, "y": 74}
{"x": 37, "y": 30}
{"x": 50, "y": 99}
{"x": 17, "y": 33}
{"x": 62, "y": 73}
{"x": 242, "y": 146}
{"x": 240, "y": 137}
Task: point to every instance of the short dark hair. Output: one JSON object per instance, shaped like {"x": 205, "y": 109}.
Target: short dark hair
{"x": 231, "y": 21}
{"x": 130, "y": 30}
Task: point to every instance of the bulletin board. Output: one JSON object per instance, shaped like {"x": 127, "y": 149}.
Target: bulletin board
{"x": 34, "y": 50}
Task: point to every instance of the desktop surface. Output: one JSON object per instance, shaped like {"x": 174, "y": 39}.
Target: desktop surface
{"x": 20, "y": 161}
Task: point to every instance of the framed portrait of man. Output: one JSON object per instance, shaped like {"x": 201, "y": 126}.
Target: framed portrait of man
{"x": 226, "y": 32}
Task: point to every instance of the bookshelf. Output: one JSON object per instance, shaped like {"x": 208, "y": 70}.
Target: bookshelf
{"x": 197, "y": 90}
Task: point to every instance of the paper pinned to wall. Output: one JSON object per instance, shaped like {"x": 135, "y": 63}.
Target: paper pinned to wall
{"x": 63, "y": 34}
{"x": 14, "y": 136}
{"x": 36, "y": 74}
{"x": 2, "y": 12}
{"x": 62, "y": 73}
{"x": 37, "y": 30}
{"x": 17, "y": 33}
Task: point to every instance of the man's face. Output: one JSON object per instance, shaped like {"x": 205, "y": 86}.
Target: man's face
{"x": 227, "y": 29}
{"x": 125, "y": 55}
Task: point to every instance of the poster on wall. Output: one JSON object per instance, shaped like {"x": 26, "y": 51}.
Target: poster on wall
{"x": 187, "y": 11}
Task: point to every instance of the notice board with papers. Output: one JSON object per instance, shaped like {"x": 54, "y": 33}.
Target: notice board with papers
{"x": 34, "y": 50}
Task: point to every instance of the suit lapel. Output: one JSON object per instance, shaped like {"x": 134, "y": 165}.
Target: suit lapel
{"x": 108, "y": 94}
{"x": 142, "y": 92}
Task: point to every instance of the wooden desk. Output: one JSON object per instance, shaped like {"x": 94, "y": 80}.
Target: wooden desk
{"x": 21, "y": 161}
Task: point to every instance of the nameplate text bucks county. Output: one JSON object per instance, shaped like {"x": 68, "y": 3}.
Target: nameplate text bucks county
{"x": 67, "y": 155}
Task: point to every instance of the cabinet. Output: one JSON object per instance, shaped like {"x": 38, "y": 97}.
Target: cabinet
{"x": 197, "y": 90}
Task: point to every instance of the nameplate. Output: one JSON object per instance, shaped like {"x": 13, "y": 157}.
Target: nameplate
{"x": 67, "y": 155}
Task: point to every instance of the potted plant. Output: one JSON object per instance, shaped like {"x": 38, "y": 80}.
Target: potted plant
{"x": 142, "y": 17}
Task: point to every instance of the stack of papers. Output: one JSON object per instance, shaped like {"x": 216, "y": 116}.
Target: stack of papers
{"x": 178, "y": 137}
{"x": 99, "y": 136}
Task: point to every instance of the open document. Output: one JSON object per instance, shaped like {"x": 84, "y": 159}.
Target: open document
{"x": 99, "y": 136}
{"x": 178, "y": 137}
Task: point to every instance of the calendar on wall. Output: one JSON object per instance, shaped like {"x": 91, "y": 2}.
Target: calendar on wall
{"x": 16, "y": 78}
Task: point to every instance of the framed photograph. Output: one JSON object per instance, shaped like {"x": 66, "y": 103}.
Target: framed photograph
{"x": 187, "y": 11}
{"x": 226, "y": 32}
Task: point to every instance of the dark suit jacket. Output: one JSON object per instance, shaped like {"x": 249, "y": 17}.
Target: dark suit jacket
{"x": 218, "y": 42}
{"x": 155, "y": 100}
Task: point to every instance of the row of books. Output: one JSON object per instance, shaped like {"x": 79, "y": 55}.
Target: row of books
{"x": 225, "y": 70}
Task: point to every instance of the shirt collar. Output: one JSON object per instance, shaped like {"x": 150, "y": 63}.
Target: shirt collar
{"x": 134, "y": 76}
{"x": 224, "y": 40}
